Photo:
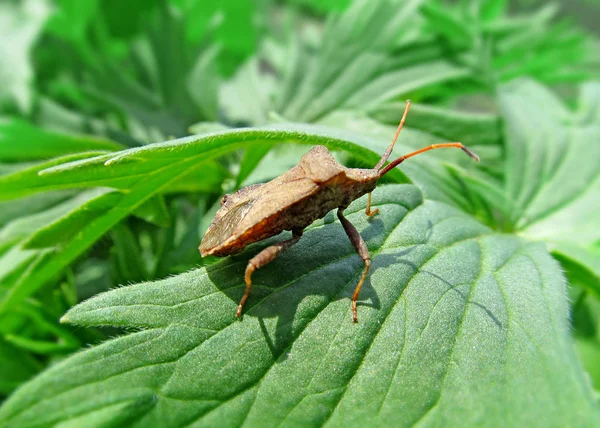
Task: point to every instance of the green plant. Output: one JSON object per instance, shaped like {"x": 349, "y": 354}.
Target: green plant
{"x": 465, "y": 315}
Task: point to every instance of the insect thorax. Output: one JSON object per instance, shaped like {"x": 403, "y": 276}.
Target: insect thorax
{"x": 338, "y": 193}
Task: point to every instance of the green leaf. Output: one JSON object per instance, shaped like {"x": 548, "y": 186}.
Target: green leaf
{"x": 232, "y": 24}
{"x": 172, "y": 59}
{"x": 469, "y": 128}
{"x": 125, "y": 168}
{"x": 146, "y": 89}
{"x": 27, "y": 225}
{"x": 177, "y": 247}
{"x": 39, "y": 178}
{"x": 589, "y": 107}
{"x": 589, "y": 352}
{"x": 155, "y": 211}
{"x": 36, "y": 341}
{"x": 553, "y": 44}
{"x": 75, "y": 215}
{"x": 203, "y": 83}
{"x": 323, "y": 6}
{"x": 491, "y": 9}
{"x": 252, "y": 158}
{"x": 498, "y": 47}
{"x": 50, "y": 264}
{"x": 126, "y": 20}
{"x": 90, "y": 277}
{"x": 16, "y": 367}
{"x": 128, "y": 256}
{"x": 356, "y": 50}
{"x": 72, "y": 18}
{"x": 397, "y": 84}
{"x": 450, "y": 26}
{"x": 585, "y": 315}
{"x": 10, "y": 210}
{"x": 21, "y": 141}
{"x": 26, "y": 181}
{"x": 246, "y": 97}
{"x": 551, "y": 166}
{"x": 20, "y": 25}
{"x": 13, "y": 263}
{"x": 581, "y": 264}
{"x": 15, "y": 258}
{"x": 457, "y": 326}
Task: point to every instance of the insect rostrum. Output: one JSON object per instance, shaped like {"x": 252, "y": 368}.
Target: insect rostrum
{"x": 293, "y": 201}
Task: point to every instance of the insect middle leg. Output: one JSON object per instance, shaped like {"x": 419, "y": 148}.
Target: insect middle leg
{"x": 264, "y": 257}
{"x": 363, "y": 252}
{"x": 368, "y": 210}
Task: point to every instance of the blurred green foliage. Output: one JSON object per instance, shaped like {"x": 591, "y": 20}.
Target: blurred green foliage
{"x": 95, "y": 192}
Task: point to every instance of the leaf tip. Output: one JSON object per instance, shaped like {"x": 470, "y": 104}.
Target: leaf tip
{"x": 45, "y": 171}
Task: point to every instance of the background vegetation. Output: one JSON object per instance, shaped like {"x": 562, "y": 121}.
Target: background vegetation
{"x": 482, "y": 305}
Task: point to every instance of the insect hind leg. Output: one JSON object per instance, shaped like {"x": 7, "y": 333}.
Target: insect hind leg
{"x": 266, "y": 256}
{"x": 363, "y": 252}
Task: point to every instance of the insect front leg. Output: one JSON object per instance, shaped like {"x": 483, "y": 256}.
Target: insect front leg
{"x": 264, "y": 257}
{"x": 368, "y": 210}
{"x": 363, "y": 252}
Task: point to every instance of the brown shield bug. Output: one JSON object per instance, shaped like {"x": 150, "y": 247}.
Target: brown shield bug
{"x": 293, "y": 201}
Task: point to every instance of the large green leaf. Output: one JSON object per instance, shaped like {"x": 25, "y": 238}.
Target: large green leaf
{"x": 457, "y": 325}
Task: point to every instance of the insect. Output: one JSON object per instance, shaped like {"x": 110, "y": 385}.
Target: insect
{"x": 292, "y": 201}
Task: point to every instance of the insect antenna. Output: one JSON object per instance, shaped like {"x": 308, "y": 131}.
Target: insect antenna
{"x": 387, "y": 153}
{"x": 401, "y": 159}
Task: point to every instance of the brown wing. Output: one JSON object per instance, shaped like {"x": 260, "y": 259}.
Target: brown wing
{"x": 223, "y": 226}
{"x": 274, "y": 199}
{"x": 255, "y": 213}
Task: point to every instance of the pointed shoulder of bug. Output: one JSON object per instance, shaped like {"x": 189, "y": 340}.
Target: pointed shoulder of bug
{"x": 320, "y": 166}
